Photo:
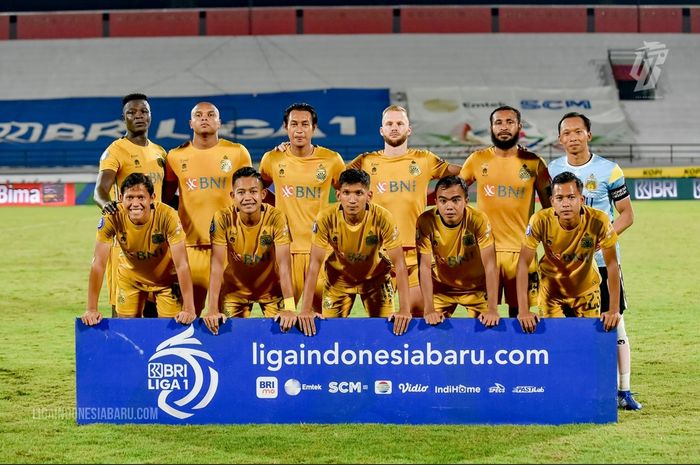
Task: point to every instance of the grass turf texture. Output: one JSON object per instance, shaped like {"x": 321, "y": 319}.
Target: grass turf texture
{"x": 46, "y": 257}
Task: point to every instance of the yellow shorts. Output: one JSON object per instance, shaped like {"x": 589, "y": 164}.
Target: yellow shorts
{"x": 377, "y": 296}
{"x": 446, "y": 301}
{"x": 111, "y": 273}
{"x": 131, "y": 297}
{"x": 300, "y": 265}
{"x": 199, "y": 258}
{"x": 507, "y": 263}
{"x": 586, "y": 306}
{"x": 235, "y": 306}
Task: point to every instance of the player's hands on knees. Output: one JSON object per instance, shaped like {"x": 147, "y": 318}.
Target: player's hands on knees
{"x": 490, "y": 318}
{"x": 610, "y": 319}
{"x": 528, "y": 321}
{"x": 286, "y": 319}
{"x": 186, "y": 317}
{"x": 306, "y": 323}
{"x": 91, "y": 317}
{"x": 214, "y": 320}
{"x": 433, "y": 318}
{"x": 110, "y": 208}
{"x": 401, "y": 321}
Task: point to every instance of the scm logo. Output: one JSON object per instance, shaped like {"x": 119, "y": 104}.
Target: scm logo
{"x": 346, "y": 387}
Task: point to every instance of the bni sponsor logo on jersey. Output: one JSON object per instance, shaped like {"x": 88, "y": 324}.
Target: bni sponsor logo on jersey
{"x": 178, "y": 372}
{"x": 206, "y": 182}
{"x": 390, "y": 187}
{"x": 504, "y": 192}
{"x": 301, "y": 192}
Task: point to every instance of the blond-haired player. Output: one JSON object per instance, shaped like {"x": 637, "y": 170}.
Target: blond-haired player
{"x": 303, "y": 175}
{"x": 458, "y": 238}
{"x": 152, "y": 259}
{"x": 201, "y": 170}
{"x": 363, "y": 242}
{"x": 399, "y": 177}
{"x": 570, "y": 232}
{"x": 254, "y": 239}
{"x": 132, "y": 153}
{"x": 508, "y": 177}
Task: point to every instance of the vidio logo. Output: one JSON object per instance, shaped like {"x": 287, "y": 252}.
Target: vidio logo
{"x": 185, "y": 377}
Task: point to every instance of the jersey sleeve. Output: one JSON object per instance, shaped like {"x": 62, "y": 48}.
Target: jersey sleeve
{"x": 174, "y": 229}
{"x": 356, "y": 163}
{"x": 281, "y": 230}
{"x": 320, "y": 231}
{"x": 246, "y": 160}
{"x": 110, "y": 159}
{"x": 438, "y": 166}
{"x": 390, "y": 231}
{"x": 265, "y": 169}
{"x": 105, "y": 229}
{"x": 217, "y": 230}
{"x": 483, "y": 230}
{"x": 169, "y": 172}
{"x": 543, "y": 180}
{"x": 533, "y": 233}
{"x": 467, "y": 171}
{"x": 608, "y": 237}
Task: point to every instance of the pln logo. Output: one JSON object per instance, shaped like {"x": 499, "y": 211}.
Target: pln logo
{"x": 178, "y": 372}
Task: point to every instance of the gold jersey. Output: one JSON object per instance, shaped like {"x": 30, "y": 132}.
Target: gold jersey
{"x": 251, "y": 260}
{"x": 400, "y": 184}
{"x": 568, "y": 268}
{"x": 204, "y": 180}
{"x": 124, "y": 158}
{"x": 356, "y": 250}
{"x": 302, "y": 188}
{"x": 506, "y": 188}
{"x": 456, "y": 249}
{"x": 145, "y": 249}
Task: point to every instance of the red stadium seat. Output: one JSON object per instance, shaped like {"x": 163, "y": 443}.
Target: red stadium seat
{"x": 542, "y": 19}
{"x": 445, "y": 19}
{"x": 4, "y": 27}
{"x": 622, "y": 72}
{"x": 154, "y": 23}
{"x": 59, "y": 25}
{"x": 694, "y": 20}
{"x": 616, "y": 19}
{"x": 350, "y": 20}
{"x": 660, "y": 19}
{"x": 228, "y": 22}
{"x": 271, "y": 21}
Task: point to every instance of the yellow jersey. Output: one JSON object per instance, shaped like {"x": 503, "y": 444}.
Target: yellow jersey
{"x": 124, "y": 158}
{"x": 251, "y": 260}
{"x": 400, "y": 185}
{"x": 356, "y": 250}
{"x": 456, "y": 249}
{"x": 204, "y": 180}
{"x": 568, "y": 268}
{"x": 506, "y": 188}
{"x": 145, "y": 249}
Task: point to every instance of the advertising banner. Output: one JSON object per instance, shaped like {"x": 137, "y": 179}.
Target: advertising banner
{"x": 353, "y": 371}
{"x": 460, "y": 115}
{"x": 75, "y": 131}
{"x": 46, "y": 194}
{"x": 664, "y": 188}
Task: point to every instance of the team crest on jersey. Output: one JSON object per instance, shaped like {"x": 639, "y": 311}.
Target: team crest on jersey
{"x": 327, "y": 303}
{"x": 265, "y": 239}
{"x": 524, "y": 173}
{"x": 374, "y": 169}
{"x": 137, "y": 163}
{"x": 484, "y": 169}
{"x": 587, "y": 242}
{"x": 414, "y": 169}
{"x": 468, "y": 240}
{"x": 226, "y": 165}
{"x": 183, "y": 166}
{"x": 121, "y": 298}
{"x": 321, "y": 173}
{"x": 158, "y": 238}
{"x": 591, "y": 183}
{"x": 371, "y": 239}
{"x": 281, "y": 170}
{"x": 101, "y": 223}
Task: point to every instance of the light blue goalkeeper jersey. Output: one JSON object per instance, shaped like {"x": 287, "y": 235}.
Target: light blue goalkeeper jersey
{"x": 603, "y": 185}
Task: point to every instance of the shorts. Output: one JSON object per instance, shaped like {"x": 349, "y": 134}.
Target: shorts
{"x": 587, "y": 306}
{"x": 377, "y": 296}
{"x": 507, "y": 263}
{"x": 300, "y": 266}
{"x": 234, "y": 306}
{"x": 446, "y": 301}
{"x": 605, "y": 294}
{"x": 199, "y": 258}
{"x": 131, "y": 297}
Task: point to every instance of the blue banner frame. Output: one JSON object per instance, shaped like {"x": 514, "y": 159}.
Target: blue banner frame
{"x": 353, "y": 371}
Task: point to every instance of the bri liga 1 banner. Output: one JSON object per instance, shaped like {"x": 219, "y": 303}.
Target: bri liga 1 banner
{"x": 352, "y": 371}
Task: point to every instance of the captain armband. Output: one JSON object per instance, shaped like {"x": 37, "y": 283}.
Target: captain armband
{"x": 619, "y": 193}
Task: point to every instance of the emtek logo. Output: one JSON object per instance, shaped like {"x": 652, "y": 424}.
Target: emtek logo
{"x": 346, "y": 387}
{"x": 266, "y": 387}
{"x": 383, "y": 386}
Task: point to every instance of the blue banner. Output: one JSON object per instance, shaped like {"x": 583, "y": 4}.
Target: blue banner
{"x": 75, "y": 131}
{"x": 352, "y": 371}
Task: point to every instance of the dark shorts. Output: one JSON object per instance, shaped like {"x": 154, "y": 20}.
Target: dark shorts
{"x": 605, "y": 296}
